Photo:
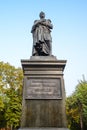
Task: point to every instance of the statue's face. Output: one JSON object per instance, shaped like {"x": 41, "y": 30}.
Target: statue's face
{"x": 42, "y": 15}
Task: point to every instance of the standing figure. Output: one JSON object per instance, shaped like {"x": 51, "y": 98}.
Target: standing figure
{"x": 41, "y": 36}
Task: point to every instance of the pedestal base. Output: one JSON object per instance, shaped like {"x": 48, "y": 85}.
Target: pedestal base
{"x": 43, "y": 129}
{"x": 43, "y": 105}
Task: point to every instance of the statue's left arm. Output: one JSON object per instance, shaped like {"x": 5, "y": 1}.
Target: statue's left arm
{"x": 47, "y": 23}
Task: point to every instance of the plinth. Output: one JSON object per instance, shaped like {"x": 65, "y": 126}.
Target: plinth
{"x": 43, "y": 105}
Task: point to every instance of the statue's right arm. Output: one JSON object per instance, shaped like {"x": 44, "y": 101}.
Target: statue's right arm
{"x": 36, "y": 22}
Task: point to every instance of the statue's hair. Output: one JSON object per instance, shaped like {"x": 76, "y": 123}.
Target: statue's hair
{"x": 41, "y": 13}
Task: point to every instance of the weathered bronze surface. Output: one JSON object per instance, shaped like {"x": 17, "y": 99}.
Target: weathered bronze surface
{"x": 42, "y": 88}
{"x": 41, "y": 36}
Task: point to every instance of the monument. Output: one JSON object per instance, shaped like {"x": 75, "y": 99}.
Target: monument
{"x": 43, "y": 105}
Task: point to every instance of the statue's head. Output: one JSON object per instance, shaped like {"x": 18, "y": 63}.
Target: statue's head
{"x": 42, "y": 14}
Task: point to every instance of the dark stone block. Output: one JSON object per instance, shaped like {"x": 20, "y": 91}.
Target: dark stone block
{"x": 43, "y": 129}
{"x": 45, "y": 113}
{"x": 43, "y": 105}
{"x": 43, "y": 58}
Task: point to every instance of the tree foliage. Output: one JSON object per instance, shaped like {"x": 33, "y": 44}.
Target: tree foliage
{"x": 10, "y": 95}
{"x": 76, "y": 107}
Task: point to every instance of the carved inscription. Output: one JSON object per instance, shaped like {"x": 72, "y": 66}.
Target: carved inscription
{"x": 43, "y": 89}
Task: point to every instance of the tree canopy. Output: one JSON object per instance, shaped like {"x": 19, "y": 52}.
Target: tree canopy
{"x": 10, "y": 95}
{"x": 76, "y": 107}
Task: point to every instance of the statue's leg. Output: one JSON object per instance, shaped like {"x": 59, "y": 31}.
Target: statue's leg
{"x": 49, "y": 47}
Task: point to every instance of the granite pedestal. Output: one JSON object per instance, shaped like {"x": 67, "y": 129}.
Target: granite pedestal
{"x": 43, "y": 129}
{"x": 43, "y": 105}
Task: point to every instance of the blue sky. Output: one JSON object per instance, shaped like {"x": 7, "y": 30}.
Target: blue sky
{"x": 69, "y": 35}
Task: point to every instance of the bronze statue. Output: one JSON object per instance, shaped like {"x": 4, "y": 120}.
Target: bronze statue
{"x": 41, "y": 36}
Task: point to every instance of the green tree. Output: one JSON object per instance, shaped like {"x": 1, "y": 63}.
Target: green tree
{"x": 76, "y": 107}
{"x": 10, "y": 94}
{"x": 2, "y": 113}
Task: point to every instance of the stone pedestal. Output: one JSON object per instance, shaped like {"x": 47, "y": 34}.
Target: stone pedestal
{"x": 43, "y": 129}
{"x": 43, "y": 105}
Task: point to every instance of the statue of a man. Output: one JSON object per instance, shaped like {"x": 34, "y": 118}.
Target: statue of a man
{"x": 41, "y": 36}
